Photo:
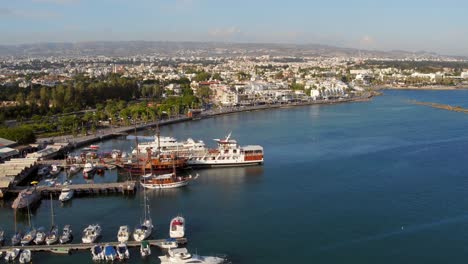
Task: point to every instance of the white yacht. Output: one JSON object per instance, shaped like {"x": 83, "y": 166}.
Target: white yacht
{"x": 124, "y": 234}
{"x": 66, "y": 194}
{"x": 88, "y": 167}
{"x": 53, "y": 236}
{"x": 67, "y": 235}
{"x": 177, "y": 227}
{"x": 143, "y": 231}
{"x": 11, "y": 255}
{"x": 228, "y": 154}
{"x": 91, "y": 233}
{"x": 181, "y": 255}
{"x": 170, "y": 144}
{"x": 25, "y": 256}
{"x": 40, "y": 236}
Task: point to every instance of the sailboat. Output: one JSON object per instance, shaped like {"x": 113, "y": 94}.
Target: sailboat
{"x": 53, "y": 235}
{"x": 143, "y": 231}
{"x": 31, "y": 234}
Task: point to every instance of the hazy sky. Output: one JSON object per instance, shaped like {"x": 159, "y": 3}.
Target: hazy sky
{"x": 430, "y": 25}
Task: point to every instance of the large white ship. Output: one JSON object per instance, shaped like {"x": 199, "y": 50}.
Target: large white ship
{"x": 170, "y": 144}
{"x": 228, "y": 153}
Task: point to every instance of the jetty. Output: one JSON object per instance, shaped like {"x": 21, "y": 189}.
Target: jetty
{"x": 441, "y": 106}
{"x": 67, "y": 248}
{"x": 128, "y": 187}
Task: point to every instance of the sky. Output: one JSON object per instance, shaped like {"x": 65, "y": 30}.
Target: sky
{"x": 411, "y": 25}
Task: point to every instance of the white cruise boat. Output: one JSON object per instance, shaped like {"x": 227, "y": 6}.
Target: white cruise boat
{"x": 228, "y": 153}
{"x": 91, "y": 233}
{"x": 170, "y": 144}
{"x": 124, "y": 234}
{"x": 177, "y": 227}
{"x": 66, "y": 194}
{"x": 181, "y": 255}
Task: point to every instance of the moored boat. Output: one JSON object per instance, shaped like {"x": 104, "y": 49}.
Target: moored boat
{"x": 124, "y": 234}
{"x": 25, "y": 256}
{"x": 165, "y": 181}
{"x": 145, "y": 249}
{"x": 91, "y": 233}
{"x": 67, "y": 235}
{"x": 26, "y": 198}
{"x": 66, "y": 194}
{"x": 43, "y": 171}
{"x": 89, "y": 167}
{"x": 11, "y": 255}
{"x": 122, "y": 251}
{"x": 28, "y": 237}
{"x": 16, "y": 239}
{"x": 181, "y": 255}
{"x": 143, "y": 231}
{"x": 169, "y": 243}
{"x": 55, "y": 170}
{"x": 109, "y": 252}
{"x": 74, "y": 169}
{"x": 52, "y": 236}
{"x": 2, "y": 237}
{"x": 40, "y": 236}
{"x": 177, "y": 227}
{"x": 97, "y": 252}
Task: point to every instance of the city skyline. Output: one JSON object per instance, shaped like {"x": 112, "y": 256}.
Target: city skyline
{"x": 416, "y": 26}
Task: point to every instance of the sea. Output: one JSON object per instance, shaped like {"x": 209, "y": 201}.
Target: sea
{"x": 383, "y": 181}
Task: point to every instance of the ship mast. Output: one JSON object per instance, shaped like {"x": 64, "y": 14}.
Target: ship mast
{"x": 51, "y": 211}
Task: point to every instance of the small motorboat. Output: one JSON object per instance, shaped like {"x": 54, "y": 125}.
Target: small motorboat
{"x": 97, "y": 252}
{"x": 91, "y": 233}
{"x": 53, "y": 236}
{"x": 169, "y": 243}
{"x": 66, "y": 194}
{"x": 43, "y": 171}
{"x": 2, "y": 237}
{"x": 88, "y": 167}
{"x": 67, "y": 235}
{"x": 94, "y": 147}
{"x": 40, "y": 236}
{"x": 55, "y": 170}
{"x": 110, "y": 253}
{"x": 16, "y": 239}
{"x": 124, "y": 234}
{"x": 181, "y": 255}
{"x": 50, "y": 182}
{"x": 28, "y": 237}
{"x": 145, "y": 249}
{"x": 122, "y": 251}
{"x": 177, "y": 227}
{"x": 74, "y": 169}
{"x": 11, "y": 255}
{"x": 25, "y": 256}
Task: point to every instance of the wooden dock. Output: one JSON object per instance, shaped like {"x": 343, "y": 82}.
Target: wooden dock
{"x": 66, "y": 248}
{"x": 128, "y": 187}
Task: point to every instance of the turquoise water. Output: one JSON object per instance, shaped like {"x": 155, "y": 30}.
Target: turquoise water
{"x": 375, "y": 182}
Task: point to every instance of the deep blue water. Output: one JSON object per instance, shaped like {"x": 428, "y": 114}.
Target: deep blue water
{"x": 382, "y": 181}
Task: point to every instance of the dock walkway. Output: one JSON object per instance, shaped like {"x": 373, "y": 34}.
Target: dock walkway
{"x": 65, "y": 248}
{"x": 83, "y": 189}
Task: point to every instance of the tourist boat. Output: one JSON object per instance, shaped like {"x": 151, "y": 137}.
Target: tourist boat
{"x": 40, "y": 236}
{"x": 159, "y": 164}
{"x": 165, "y": 181}
{"x": 109, "y": 252}
{"x": 169, "y": 243}
{"x": 74, "y": 169}
{"x": 145, "y": 249}
{"x": 177, "y": 227}
{"x": 25, "y": 256}
{"x": 91, "y": 233}
{"x": 88, "y": 167}
{"x": 67, "y": 235}
{"x": 97, "y": 252}
{"x": 228, "y": 153}
{"x": 43, "y": 171}
{"x": 66, "y": 194}
{"x": 122, "y": 251}
{"x": 124, "y": 234}
{"x": 11, "y": 255}
{"x": 181, "y": 255}
{"x": 26, "y": 198}
{"x": 55, "y": 170}
{"x": 28, "y": 237}
{"x": 2, "y": 237}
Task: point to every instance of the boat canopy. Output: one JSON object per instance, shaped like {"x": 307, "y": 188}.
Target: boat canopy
{"x": 110, "y": 250}
{"x": 145, "y": 244}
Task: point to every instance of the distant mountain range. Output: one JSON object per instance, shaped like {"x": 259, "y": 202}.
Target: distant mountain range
{"x": 199, "y": 49}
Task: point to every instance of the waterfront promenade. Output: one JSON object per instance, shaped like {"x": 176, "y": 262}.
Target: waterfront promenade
{"x": 106, "y": 133}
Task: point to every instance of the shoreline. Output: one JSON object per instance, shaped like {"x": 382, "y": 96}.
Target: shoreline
{"x": 424, "y": 88}
{"x": 108, "y": 133}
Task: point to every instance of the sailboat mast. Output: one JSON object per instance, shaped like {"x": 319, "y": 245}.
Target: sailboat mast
{"x": 51, "y": 211}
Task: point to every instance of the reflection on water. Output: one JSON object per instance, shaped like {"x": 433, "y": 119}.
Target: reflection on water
{"x": 234, "y": 175}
